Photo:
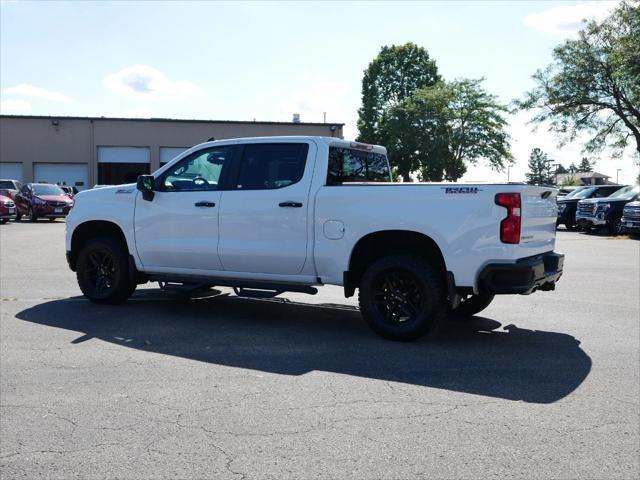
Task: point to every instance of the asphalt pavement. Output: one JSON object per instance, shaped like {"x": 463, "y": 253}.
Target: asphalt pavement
{"x": 539, "y": 386}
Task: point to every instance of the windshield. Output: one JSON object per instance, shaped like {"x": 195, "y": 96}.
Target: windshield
{"x": 47, "y": 190}
{"x": 586, "y": 193}
{"x": 626, "y": 192}
{"x": 7, "y": 184}
{"x": 573, "y": 193}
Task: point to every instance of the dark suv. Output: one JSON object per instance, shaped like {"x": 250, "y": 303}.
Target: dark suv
{"x": 599, "y": 212}
{"x": 631, "y": 217}
{"x": 568, "y": 204}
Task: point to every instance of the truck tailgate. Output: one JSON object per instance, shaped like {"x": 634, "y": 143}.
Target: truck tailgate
{"x": 539, "y": 215}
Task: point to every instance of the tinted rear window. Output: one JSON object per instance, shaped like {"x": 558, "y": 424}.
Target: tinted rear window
{"x": 272, "y": 165}
{"x": 349, "y": 165}
{"x": 6, "y": 184}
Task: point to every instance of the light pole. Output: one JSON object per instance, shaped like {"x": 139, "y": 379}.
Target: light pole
{"x": 617, "y": 172}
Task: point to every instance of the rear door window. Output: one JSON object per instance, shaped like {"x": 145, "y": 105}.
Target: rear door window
{"x": 350, "y": 165}
{"x": 267, "y": 166}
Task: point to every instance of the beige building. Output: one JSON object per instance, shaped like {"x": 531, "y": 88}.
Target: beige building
{"x": 84, "y": 151}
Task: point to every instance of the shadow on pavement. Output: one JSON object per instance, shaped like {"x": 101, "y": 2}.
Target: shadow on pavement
{"x": 294, "y": 338}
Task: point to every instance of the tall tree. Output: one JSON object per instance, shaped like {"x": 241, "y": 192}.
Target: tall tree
{"x": 539, "y": 168}
{"x": 394, "y": 75}
{"x": 560, "y": 169}
{"x": 439, "y": 130}
{"x": 585, "y": 166}
{"x": 573, "y": 168}
{"x": 593, "y": 84}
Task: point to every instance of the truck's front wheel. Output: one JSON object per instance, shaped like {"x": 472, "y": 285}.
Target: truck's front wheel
{"x": 402, "y": 297}
{"x": 102, "y": 270}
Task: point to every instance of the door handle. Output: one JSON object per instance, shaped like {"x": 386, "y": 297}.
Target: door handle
{"x": 205, "y": 204}
{"x": 290, "y": 204}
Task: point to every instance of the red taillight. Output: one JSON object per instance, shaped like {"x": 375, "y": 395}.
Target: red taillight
{"x": 511, "y": 225}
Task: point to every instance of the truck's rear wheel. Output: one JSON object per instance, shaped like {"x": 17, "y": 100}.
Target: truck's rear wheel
{"x": 402, "y": 297}
{"x": 102, "y": 270}
{"x": 473, "y": 304}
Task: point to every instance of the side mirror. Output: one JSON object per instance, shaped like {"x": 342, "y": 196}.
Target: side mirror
{"x": 145, "y": 185}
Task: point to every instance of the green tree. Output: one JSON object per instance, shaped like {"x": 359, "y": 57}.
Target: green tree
{"x": 573, "y": 168}
{"x": 393, "y": 76}
{"x": 569, "y": 182}
{"x": 539, "y": 168}
{"x": 439, "y": 130}
{"x": 585, "y": 166}
{"x": 560, "y": 169}
{"x": 593, "y": 84}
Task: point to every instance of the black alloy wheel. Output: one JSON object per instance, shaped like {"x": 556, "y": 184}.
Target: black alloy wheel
{"x": 100, "y": 273}
{"x": 397, "y": 296}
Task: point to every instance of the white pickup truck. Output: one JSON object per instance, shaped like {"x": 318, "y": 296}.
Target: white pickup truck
{"x": 287, "y": 214}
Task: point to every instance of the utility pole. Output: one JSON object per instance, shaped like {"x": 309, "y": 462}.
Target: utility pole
{"x": 617, "y": 172}
{"x": 324, "y": 114}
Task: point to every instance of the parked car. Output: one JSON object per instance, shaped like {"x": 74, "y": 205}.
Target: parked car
{"x": 568, "y": 204}
{"x": 10, "y": 186}
{"x": 44, "y": 200}
{"x": 277, "y": 214}
{"x": 631, "y": 217}
{"x": 596, "y": 213}
{"x": 7, "y": 209}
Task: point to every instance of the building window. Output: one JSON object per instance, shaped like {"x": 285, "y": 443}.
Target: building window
{"x": 118, "y": 173}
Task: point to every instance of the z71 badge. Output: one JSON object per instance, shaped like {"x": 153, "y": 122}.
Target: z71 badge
{"x": 454, "y": 190}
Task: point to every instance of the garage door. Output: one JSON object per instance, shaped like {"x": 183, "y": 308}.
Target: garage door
{"x": 169, "y": 153}
{"x": 73, "y": 174}
{"x": 11, "y": 171}
{"x": 117, "y": 165}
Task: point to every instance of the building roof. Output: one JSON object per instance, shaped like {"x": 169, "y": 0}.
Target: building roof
{"x": 54, "y": 117}
{"x": 591, "y": 175}
{"x": 578, "y": 175}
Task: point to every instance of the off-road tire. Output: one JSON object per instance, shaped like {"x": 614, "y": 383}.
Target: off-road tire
{"x": 430, "y": 308}
{"x": 104, "y": 257}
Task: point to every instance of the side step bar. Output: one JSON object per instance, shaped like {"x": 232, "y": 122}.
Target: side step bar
{"x": 242, "y": 288}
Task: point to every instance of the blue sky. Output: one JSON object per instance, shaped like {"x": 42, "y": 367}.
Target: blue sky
{"x": 266, "y": 61}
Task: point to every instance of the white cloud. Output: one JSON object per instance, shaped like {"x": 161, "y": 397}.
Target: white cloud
{"x": 14, "y": 106}
{"x": 146, "y": 82}
{"x": 311, "y": 102}
{"x": 26, "y": 90}
{"x": 566, "y": 20}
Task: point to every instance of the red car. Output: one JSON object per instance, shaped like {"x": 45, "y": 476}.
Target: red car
{"x": 7, "y": 209}
{"x": 42, "y": 200}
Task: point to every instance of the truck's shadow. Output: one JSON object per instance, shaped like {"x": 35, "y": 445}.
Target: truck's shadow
{"x": 468, "y": 356}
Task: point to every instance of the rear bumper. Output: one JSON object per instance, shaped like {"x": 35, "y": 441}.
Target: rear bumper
{"x": 527, "y": 275}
